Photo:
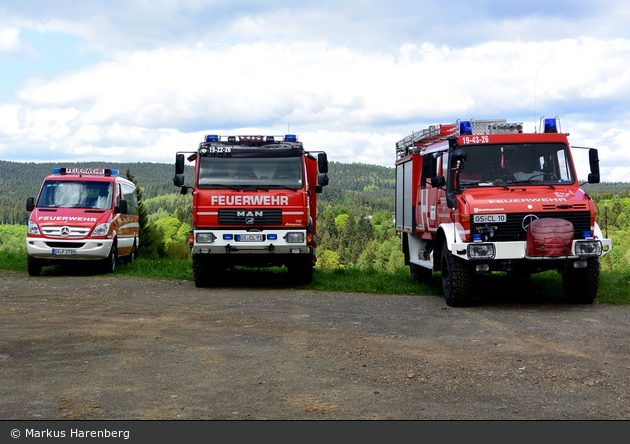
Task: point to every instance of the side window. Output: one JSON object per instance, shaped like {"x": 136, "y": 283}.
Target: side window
{"x": 129, "y": 194}
{"x": 429, "y": 169}
{"x": 118, "y": 194}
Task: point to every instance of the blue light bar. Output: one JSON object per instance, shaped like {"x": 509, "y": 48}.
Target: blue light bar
{"x": 465, "y": 128}
{"x": 290, "y": 138}
{"x": 227, "y": 237}
{"x": 551, "y": 126}
{"x": 113, "y": 172}
{"x": 56, "y": 170}
{"x": 587, "y": 234}
{"x": 476, "y": 237}
{"x": 212, "y": 138}
{"x": 272, "y": 237}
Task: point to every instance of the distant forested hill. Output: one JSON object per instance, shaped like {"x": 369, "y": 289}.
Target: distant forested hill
{"x": 363, "y": 189}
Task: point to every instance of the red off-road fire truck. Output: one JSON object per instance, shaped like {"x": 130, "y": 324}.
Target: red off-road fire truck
{"x": 483, "y": 196}
{"x": 254, "y": 204}
{"x": 84, "y": 214}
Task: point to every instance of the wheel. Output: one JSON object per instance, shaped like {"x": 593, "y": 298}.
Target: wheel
{"x": 109, "y": 263}
{"x": 202, "y": 268}
{"x": 34, "y": 266}
{"x": 457, "y": 279}
{"x": 301, "y": 274}
{"x": 581, "y": 284}
{"x": 420, "y": 274}
{"x": 134, "y": 254}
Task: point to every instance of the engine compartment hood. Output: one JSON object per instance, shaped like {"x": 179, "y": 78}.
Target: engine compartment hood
{"x": 519, "y": 199}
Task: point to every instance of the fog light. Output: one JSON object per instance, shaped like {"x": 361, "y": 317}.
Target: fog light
{"x": 295, "y": 250}
{"x": 481, "y": 251}
{"x": 294, "y": 238}
{"x": 580, "y": 264}
{"x": 482, "y": 267}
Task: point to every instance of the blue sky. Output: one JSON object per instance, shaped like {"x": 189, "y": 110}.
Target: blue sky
{"x": 138, "y": 80}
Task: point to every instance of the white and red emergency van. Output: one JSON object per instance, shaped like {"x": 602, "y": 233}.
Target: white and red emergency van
{"x": 86, "y": 214}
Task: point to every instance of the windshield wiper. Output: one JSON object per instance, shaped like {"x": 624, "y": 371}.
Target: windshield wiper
{"x": 529, "y": 183}
{"x": 285, "y": 187}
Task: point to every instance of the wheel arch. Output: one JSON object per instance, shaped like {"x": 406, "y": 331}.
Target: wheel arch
{"x": 438, "y": 244}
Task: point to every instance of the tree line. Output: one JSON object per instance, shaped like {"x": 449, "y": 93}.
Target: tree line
{"x": 355, "y": 212}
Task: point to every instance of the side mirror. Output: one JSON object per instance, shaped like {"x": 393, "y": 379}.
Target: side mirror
{"x": 122, "y": 207}
{"x": 179, "y": 164}
{"x": 593, "y": 178}
{"x": 178, "y": 180}
{"x": 438, "y": 181}
{"x": 593, "y": 160}
{"x": 459, "y": 154}
{"x": 30, "y": 204}
{"x": 322, "y": 180}
{"x": 322, "y": 163}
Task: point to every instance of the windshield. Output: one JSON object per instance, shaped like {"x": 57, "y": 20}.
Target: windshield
{"x": 249, "y": 171}
{"x": 76, "y": 194}
{"x": 518, "y": 163}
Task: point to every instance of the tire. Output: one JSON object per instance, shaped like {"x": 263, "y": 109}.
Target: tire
{"x": 109, "y": 263}
{"x": 202, "y": 268}
{"x": 133, "y": 256}
{"x": 581, "y": 284}
{"x": 420, "y": 274}
{"x": 34, "y": 266}
{"x": 457, "y": 279}
{"x": 301, "y": 275}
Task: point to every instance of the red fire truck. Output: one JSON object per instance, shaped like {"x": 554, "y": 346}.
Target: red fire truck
{"x": 87, "y": 214}
{"x": 483, "y": 196}
{"x": 254, "y": 204}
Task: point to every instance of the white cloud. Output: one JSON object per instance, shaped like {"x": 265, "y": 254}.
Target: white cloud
{"x": 316, "y": 87}
{"x": 351, "y": 79}
{"x": 10, "y": 41}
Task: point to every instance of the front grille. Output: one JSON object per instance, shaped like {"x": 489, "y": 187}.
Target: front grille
{"x": 250, "y": 217}
{"x": 65, "y": 231}
{"x": 512, "y": 229}
{"x": 65, "y": 244}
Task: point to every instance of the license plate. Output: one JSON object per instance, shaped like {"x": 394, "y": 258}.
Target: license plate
{"x": 249, "y": 238}
{"x": 489, "y": 218}
{"x": 64, "y": 251}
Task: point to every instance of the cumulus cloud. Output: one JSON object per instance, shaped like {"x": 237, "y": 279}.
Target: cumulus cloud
{"x": 348, "y": 101}
{"x": 350, "y": 79}
{"x": 10, "y": 41}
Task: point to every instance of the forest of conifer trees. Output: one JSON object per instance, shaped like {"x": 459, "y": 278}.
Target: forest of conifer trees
{"x": 355, "y": 213}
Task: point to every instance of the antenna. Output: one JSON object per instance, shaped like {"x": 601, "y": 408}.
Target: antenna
{"x": 291, "y": 112}
{"x": 535, "y": 81}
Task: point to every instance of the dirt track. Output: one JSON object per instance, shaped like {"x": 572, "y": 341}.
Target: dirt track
{"x": 108, "y": 347}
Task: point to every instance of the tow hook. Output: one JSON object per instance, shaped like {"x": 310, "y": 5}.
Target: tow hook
{"x": 271, "y": 248}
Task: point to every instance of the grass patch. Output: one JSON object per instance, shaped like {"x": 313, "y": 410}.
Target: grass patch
{"x": 614, "y": 287}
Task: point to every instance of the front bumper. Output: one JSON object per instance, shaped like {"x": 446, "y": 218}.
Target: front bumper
{"x": 518, "y": 250}
{"x": 62, "y": 249}
{"x": 229, "y": 242}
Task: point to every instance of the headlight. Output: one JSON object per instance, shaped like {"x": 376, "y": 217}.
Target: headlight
{"x": 481, "y": 251}
{"x": 294, "y": 238}
{"x": 588, "y": 248}
{"x": 101, "y": 230}
{"x": 205, "y": 238}
{"x": 33, "y": 228}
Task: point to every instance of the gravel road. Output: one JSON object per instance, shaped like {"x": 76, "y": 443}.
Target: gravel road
{"x": 121, "y": 348}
